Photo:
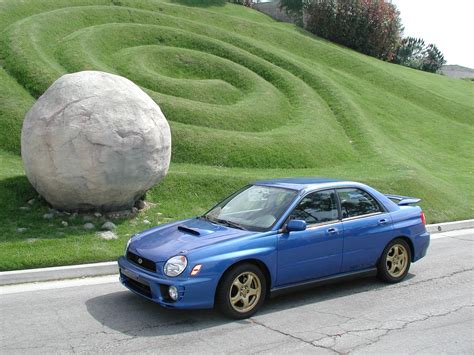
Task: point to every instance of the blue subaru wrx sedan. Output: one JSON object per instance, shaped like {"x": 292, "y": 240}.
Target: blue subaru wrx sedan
{"x": 272, "y": 237}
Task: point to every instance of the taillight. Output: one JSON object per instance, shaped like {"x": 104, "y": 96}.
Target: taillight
{"x": 423, "y": 219}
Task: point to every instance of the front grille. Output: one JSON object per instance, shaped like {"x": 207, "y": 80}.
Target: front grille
{"x": 145, "y": 263}
{"x": 138, "y": 286}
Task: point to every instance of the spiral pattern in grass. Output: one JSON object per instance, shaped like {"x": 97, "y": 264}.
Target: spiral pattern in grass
{"x": 227, "y": 105}
{"x": 238, "y": 89}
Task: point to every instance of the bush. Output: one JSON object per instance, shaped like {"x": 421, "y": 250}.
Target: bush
{"x": 413, "y": 53}
{"x": 372, "y": 27}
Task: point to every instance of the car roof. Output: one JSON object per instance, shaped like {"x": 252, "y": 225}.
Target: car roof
{"x": 305, "y": 183}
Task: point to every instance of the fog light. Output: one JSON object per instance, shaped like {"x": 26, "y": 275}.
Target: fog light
{"x": 173, "y": 292}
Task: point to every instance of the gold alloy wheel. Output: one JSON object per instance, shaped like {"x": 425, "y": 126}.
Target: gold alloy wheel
{"x": 397, "y": 260}
{"x": 245, "y": 292}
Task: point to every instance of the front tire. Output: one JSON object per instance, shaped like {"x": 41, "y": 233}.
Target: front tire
{"x": 395, "y": 261}
{"x": 242, "y": 291}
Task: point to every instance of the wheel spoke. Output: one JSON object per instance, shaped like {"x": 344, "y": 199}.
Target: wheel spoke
{"x": 392, "y": 268}
{"x": 245, "y": 301}
{"x": 249, "y": 280}
{"x": 252, "y": 292}
{"x": 402, "y": 263}
{"x": 237, "y": 283}
{"x": 235, "y": 299}
{"x": 389, "y": 258}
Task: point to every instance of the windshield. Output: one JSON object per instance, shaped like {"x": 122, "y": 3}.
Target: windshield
{"x": 254, "y": 208}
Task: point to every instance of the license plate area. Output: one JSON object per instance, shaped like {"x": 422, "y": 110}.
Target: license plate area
{"x": 135, "y": 283}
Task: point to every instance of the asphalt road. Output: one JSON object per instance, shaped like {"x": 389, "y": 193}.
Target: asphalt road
{"x": 431, "y": 312}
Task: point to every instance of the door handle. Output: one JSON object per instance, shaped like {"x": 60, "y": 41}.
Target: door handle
{"x": 383, "y": 221}
{"x": 332, "y": 230}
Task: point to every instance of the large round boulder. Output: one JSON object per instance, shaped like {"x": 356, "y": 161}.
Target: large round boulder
{"x": 94, "y": 141}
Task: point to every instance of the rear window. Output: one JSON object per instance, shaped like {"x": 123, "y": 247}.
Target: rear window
{"x": 356, "y": 202}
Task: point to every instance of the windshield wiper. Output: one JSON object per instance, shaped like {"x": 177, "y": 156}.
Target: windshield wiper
{"x": 222, "y": 221}
{"x": 230, "y": 224}
{"x": 207, "y": 218}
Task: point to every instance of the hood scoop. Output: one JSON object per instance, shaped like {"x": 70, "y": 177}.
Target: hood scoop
{"x": 189, "y": 230}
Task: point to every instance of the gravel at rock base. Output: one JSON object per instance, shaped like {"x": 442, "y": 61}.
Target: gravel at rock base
{"x": 88, "y": 226}
{"x": 107, "y": 235}
{"x": 108, "y": 226}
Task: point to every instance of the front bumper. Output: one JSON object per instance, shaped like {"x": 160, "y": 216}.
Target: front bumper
{"x": 194, "y": 292}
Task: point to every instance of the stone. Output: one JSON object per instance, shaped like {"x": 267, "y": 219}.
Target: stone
{"x": 87, "y": 218}
{"x": 89, "y": 226}
{"x": 94, "y": 141}
{"x": 97, "y": 214}
{"x": 108, "y": 226}
{"x": 118, "y": 214}
{"x": 140, "y": 204}
{"x": 48, "y": 215}
{"x": 31, "y": 202}
{"x": 31, "y": 240}
{"x": 64, "y": 223}
{"x": 21, "y": 230}
{"x": 25, "y": 208}
{"x": 146, "y": 221}
{"x": 107, "y": 235}
{"x": 134, "y": 210}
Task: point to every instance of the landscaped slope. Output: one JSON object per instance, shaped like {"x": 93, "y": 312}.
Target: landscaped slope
{"x": 246, "y": 97}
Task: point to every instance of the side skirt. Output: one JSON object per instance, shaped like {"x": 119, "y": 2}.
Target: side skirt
{"x": 274, "y": 292}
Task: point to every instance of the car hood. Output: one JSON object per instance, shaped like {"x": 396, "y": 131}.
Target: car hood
{"x": 163, "y": 242}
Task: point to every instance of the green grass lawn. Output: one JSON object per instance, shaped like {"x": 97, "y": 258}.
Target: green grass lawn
{"x": 246, "y": 97}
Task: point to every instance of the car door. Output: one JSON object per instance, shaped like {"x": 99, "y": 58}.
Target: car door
{"x": 317, "y": 251}
{"x": 367, "y": 229}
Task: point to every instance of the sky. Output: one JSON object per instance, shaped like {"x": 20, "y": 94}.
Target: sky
{"x": 447, "y": 24}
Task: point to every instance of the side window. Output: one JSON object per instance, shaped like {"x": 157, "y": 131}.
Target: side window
{"x": 355, "y": 202}
{"x": 317, "y": 207}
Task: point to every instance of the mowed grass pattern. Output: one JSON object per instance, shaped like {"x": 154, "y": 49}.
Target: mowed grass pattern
{"x": 246, "y": 98}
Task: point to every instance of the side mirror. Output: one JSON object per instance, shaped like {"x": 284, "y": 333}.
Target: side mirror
{"x": 296, "y": 225}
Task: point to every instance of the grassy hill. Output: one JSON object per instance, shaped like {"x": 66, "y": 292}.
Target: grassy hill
{"x": 246, "y": 98}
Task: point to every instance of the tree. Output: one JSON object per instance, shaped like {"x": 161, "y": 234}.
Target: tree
{"x": 294, "y": 9}
{"x": 372, "y": 27}
{"x": 413, "y": 53}
{"x": 433, "y": 60}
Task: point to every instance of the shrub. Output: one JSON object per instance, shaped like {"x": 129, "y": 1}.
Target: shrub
{"x": 413, "y": 53}
{"x": 372, "y": 27}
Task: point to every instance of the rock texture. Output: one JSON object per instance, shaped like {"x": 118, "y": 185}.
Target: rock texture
{"x": 95, "y": 141}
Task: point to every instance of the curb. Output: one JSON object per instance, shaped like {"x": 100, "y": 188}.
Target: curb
{"x": 450, "y": 226}
{"x": 111, "y": 268}
{"x": 58, "y": 273}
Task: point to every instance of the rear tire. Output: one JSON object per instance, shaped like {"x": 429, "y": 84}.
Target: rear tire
{"x": 395, "y": 261}
{"x": 242, "y": 291}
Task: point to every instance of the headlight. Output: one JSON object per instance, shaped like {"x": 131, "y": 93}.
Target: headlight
{"x": 175, "y": 265}
{"x": 128, "y": 243}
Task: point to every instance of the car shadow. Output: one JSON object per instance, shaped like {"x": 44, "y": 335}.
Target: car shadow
{"x": 132, "y": 315}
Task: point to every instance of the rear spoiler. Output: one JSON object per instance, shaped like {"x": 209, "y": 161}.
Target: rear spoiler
{"x": 403, "y": 200}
